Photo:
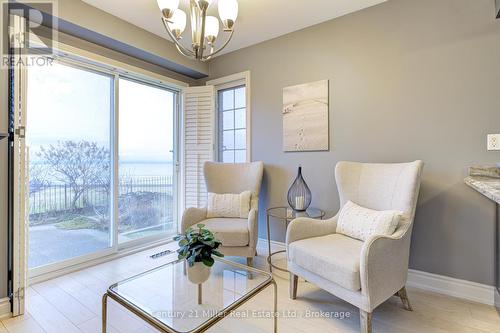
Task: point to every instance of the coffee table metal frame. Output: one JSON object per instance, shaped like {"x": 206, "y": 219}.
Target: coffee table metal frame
{"x": 110, "y": 293}
{"x": 287, "y": 219}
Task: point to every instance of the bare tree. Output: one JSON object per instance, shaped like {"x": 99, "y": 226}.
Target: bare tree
{"x": 103, "y": 182}
{"x": 38, "y": 176}
{"x": 80, "y": 165}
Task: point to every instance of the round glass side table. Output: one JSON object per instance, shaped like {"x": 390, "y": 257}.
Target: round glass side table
{"x": 286, "y": 214}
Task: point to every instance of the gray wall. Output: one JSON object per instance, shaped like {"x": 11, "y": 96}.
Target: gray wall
{"x": 409, "y": 79}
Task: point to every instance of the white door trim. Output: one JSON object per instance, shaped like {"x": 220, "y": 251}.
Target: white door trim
{"x": 5, "y": 308}
{"x": 234, "y": 80}
{"x": 19, "y": 223}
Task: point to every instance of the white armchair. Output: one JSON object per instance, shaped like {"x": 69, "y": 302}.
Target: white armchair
{"x": 368, "y": 273}
{"x": 238, "y": 236}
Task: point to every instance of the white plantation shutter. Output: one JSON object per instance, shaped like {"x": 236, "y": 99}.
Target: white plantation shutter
{"x": 198, "y": 142}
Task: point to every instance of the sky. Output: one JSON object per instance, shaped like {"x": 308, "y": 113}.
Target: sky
{"x": 66, "y": 103}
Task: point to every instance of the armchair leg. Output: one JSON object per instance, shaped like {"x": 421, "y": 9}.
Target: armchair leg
{"x": 404, "y": 298}
{"x": 365, "y": 319}
{"x": 250, "y": 264}
{"x": 294, "y": 281}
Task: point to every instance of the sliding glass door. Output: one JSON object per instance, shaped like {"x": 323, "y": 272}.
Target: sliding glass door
{"x": 69, "y": 141}
{"x": 146, "y": 160}
{"x": 102, "y": 166}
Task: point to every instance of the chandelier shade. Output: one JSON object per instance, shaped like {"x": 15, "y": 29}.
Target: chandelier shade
{"x": 204, "y": 29}
{"x": 168, "y": 6}
{"x": 211, "y": 27}
{"x": 178, "y": 22}
{"x": 228, "y": 12}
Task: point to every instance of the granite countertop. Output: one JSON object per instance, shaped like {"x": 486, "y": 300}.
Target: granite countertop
{"x": 487, "y": 186}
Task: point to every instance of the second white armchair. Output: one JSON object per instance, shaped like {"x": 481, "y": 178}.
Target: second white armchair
{"x": 238, "y": 236}
{"x": 367, "y": 273}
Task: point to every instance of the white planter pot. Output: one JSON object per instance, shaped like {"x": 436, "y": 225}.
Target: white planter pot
{"x": 199, "y": 273}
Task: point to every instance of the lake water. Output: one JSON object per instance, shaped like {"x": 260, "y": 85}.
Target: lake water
{"x": 131, "y": 169}
{"x": 144, "y": 169}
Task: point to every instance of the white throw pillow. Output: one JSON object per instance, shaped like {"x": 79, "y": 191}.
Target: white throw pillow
{"x": 362, "y": 223}
{"x": 229, "y": 205}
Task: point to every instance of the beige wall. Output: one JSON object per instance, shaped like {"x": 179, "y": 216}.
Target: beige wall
{"x": 117, "y": 56}
{"x": 94, "y": 19}
{"x": 409, "y": 79}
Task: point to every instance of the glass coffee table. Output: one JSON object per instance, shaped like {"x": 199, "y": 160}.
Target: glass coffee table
{"x": 165, "y": 298}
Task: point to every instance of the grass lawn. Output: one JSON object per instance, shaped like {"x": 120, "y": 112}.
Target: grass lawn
{"x": 77, "y": 223}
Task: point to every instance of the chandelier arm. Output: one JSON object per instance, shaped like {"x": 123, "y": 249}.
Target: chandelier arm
{"x": 202, "y": 37}
{"x": 220, "y": 48}
{"x": 178, "y": 45}
{"x": 189, "y": 55}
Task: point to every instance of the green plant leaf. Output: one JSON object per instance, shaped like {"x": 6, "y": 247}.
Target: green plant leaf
{"x": 198, "y": 245}
{"x": 209, "y": 243}
{"x": 208, "y": 262}
{"x": 217, "y": 253}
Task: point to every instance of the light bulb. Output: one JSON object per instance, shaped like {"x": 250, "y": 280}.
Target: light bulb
{"x": 168, "y": 7}
{"x": 228, "y": 12}
{"x": 211, "y": 28}
{"x": 178, "y": 22}
{"x": 168, "y": 4}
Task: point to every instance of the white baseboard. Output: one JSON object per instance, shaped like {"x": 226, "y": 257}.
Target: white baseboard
{"x": 5, "y": 308}
{"x": 449, "y": 286}
{"x": 262, "y": 244}
{"x": 440, "y": 284}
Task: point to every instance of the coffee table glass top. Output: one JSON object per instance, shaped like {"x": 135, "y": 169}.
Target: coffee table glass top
{"x": 290, "y": 214}
{"x": 166, "y": 296}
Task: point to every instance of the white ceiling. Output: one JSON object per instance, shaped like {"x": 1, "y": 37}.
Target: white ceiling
{"x": 258, "y": 20}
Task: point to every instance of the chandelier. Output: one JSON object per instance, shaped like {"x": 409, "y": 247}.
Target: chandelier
{"x": 204, "y": 28}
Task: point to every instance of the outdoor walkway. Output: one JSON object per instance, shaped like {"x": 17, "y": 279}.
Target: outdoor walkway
{"x": 49, "y": 244}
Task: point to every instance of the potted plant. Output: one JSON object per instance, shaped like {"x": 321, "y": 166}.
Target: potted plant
{"x": 197, "y": 246}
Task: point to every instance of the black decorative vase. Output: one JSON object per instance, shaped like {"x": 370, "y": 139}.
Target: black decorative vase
{"x": 299, "y": 195}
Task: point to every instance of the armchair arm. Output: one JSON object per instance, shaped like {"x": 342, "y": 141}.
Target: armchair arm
{"x": 384, "y": 266}
{"x": 253, "y": 228}
{"x": 303, "y": 227}
{"x": 192, "y": 216}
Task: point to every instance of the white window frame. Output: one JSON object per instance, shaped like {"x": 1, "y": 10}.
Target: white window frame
{"x": 232, "y": 81}
{"x": 70, "y": 55}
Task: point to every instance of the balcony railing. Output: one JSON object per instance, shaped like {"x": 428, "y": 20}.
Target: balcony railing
{"x": 58, "y": 198}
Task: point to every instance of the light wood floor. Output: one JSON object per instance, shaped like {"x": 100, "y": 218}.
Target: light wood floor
{"x": 72, "y": 304}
